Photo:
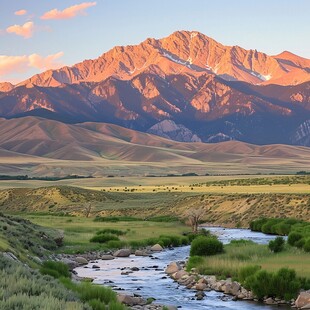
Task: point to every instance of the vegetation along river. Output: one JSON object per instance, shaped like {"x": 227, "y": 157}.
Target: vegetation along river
{"x": 151, "y": 281}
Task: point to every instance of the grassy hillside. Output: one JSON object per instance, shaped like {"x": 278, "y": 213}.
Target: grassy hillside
{"x": 26, "y": 240}
{"x": 231, "y": 202}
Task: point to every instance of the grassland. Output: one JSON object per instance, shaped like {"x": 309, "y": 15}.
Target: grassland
{"x": 232, "y": 201}
{"x": 78, "y": 230}
{"x": 237, "y": 256}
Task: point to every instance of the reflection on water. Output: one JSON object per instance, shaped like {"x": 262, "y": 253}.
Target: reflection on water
{"x": 151, "y": 281}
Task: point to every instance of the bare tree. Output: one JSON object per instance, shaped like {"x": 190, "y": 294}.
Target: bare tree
{"x": 87, "y": 209}
{"x": 194, "y": 216}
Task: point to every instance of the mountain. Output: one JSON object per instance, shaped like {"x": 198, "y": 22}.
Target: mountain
{"x": 183, "y": 51}
{"x": 201, "y": 89}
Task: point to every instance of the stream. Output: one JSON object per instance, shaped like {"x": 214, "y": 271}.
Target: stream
{"x": 151, "y": 281}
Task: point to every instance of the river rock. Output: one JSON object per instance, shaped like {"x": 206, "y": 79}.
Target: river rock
{"x": 130, "y": 300}
{"x": 107, "y": 257}
{"x": 270, "y": 301}
{"x": 179, "y": 274}
{"x": 81, "y": 260}
{"x": 303, "y": 300}
{"x": 201, "y": 286}
{"x": 122, "y": 253}
{"x": 173, "y": 267}
{"x": 141, "y": 253}
{"x": 232, "y": 288}
{"x": 156, "y": 248}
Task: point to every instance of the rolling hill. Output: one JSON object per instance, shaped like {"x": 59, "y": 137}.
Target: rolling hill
{"x": 40, "y": 146}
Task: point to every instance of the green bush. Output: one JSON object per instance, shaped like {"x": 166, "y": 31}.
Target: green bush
{"x": 203, "y": 246}
{"x": 55, "y": 269}
{"x": 103, "y": 238}
{"x": 247, "y": 271}
{"x": 282, "y": 284}
{"x": 286, "y": 283}
{"x": 260, "y": 283}
{"x": 293, "y": 237}
{"x": 276, "y": 245}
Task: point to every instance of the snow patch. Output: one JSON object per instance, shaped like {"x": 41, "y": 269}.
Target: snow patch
{"x": 261, "y": 76}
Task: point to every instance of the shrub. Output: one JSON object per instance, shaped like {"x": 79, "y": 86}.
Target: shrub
{"x": 276, "y": 245}
{"x": 293, "y": 237}
{"x": 247, "y": 271}
{"x": 203, "y": 246}
{"x": 286, "y": 283}
{"x": 103, "y": 238}
{"x": 282, "y": 284}
{"x": 89, "y": 291}
{"x": 55, "y": 269}
{"x": 260, "y": 283}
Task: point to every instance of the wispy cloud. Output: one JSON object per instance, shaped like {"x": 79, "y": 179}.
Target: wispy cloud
{"x": 20, "y": 12}
{"x": 70, "y": 12}
{"x": 21, "y": 64}
{"x": 26, "y": 30}
{"x": 44, "y": 63}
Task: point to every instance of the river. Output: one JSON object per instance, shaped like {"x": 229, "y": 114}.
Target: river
{"x": 151, "y": 280}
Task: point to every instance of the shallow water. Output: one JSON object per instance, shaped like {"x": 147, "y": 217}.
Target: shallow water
{"x": 151, "y": 280}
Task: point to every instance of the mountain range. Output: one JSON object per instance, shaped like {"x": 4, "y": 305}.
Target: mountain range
{"x": 187, "y": 87}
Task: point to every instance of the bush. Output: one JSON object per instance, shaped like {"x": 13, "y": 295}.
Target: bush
{"x": 55, "y": 269}
{"x": 276, "y": 245}
{"x": 293, "y": 237}
{"x": 203, "y": 246}
{"x": 286, "y": 283}
{"x": 103, "y": 238}
{"x": 261, "y": 284}
{"x": 282, "y": 284}
{"x": 247, "y": 271}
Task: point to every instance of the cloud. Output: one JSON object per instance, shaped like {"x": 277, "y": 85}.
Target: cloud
{"x": 44, "y": 63}
{"x": 26, "y": 30}
{"x": 21, "y": 64}
{"x": 20, "y": 12}
{"x": 70, "y": 12}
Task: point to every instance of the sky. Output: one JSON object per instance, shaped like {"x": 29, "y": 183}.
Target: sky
{"x": 36, "y": 35}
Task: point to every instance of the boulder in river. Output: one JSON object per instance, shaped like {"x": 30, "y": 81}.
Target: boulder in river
{"x": 173, "y": 267}
{"x": 156, "y": 248}
{"x": 81, "y": 260}
{"x": 130, "y": 300}
{"x": 141, "y": 253}
{"x": 107, "y": 257}
{"x": 122, "y": 253}
{"x": 303, "y": 300}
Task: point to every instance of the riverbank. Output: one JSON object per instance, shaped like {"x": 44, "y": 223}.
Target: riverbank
{"x": 154, "y": 282}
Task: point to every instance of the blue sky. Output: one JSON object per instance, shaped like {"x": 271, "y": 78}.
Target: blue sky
{"x": 32, "y": 42}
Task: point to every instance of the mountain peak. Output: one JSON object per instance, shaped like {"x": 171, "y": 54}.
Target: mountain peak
{"x": 189, "y": 52}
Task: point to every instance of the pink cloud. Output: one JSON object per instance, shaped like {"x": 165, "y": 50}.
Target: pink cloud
{"x": 20, "y": 12}
{"x": 70, "y": 12}
{"x": 44, "y": 63}
{"x": 26, "y": 30}
{"x": 12, "y": 65}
